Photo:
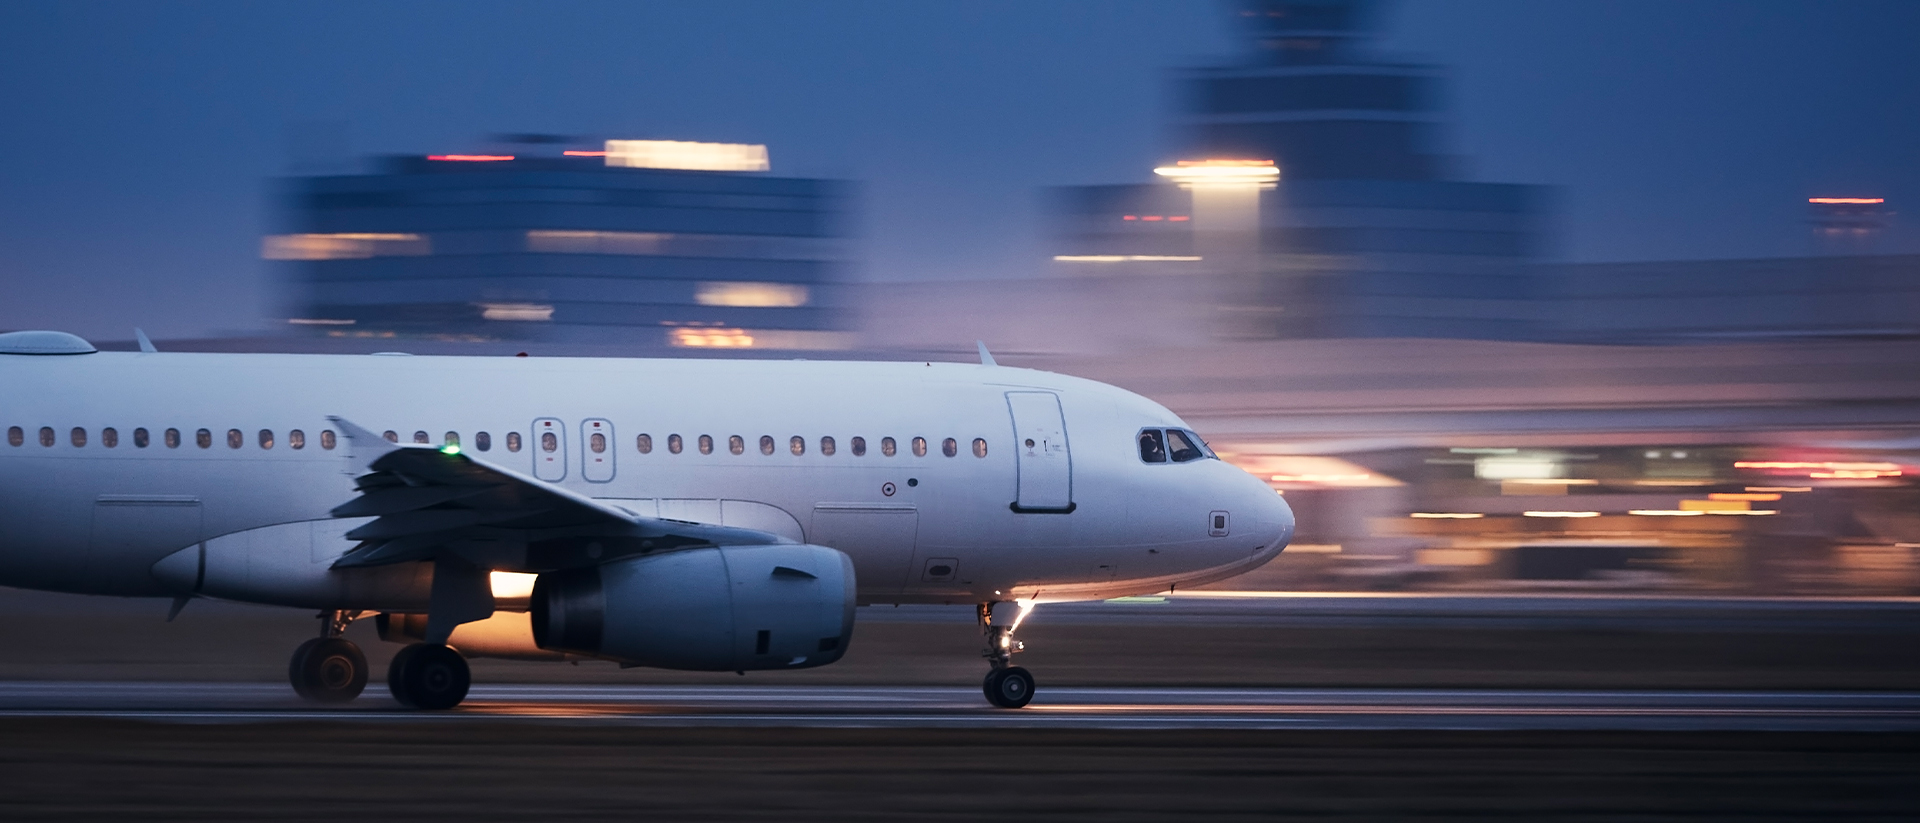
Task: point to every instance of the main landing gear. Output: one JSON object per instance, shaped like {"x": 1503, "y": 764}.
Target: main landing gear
{"x": 429, "y": 676}
{"x": 329, "y": 668}
{"x": 1007, "y": 686}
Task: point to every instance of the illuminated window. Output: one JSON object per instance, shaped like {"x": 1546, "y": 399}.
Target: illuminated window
{"x": 452, "y": 439}
{"x": 549, "y": 443}
{"x": 766, "y": 444}
{"x": 235, "y": 439}
{"x": 266, "y": 438}
{"x": 326, "y": 439}
{"x": 353, "y": 246}
{"x": 203, "y": 438}
{"x": 483, "y": 441}
{"x": 16, "y": 436}
{"x": 598, "y": 443}
{"x": 680, "y": 154}
{"x": 886, "y": 446}
{"x": 420, "y": 437}
{"x": 979, "y": 447}
{"x": 797, "y": 445}
{"x": 46, "y": 436}
{"x": 751, "y": 295}
{"x": 513, "y": 442}
{"x": 919, "y": 447}
{"x": 706, "y": 444}
{"x": 737, "y": 444}
{"x": 949, "y": 447}
{"x": 674, "y": 444}
{"x": 172, "y": 438}
{"x": 109, "y": 437}
{"x": 859, "y": 446}
{"x": 1153, "y": 449}
{"x": 391, "y": 436}
{"x": 140, "y": 440}
{"x": 826, "y": 446}
{"x": 296, "y": 439}
{"x": 78, "y": 436}
{"x": 644, "y": 443}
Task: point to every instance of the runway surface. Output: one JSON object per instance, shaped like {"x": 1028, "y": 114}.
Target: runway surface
{"x": 1053, "y": 707}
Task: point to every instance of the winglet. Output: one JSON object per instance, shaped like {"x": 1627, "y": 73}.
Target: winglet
{"x": 365, "y": 446}
{"x": 146, "y": 344}
{"x": 986, "y": 357}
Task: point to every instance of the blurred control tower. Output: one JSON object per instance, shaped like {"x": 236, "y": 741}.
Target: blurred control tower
{"x": 1365, "y": 234}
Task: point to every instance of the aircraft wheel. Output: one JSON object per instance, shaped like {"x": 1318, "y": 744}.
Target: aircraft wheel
{"x": 328, "y": 670}
{"x": 1009, "y": 688}
{"x": 429, "y": 676}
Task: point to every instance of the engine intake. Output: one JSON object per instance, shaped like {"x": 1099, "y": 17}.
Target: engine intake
{"x": 723, "y": 609}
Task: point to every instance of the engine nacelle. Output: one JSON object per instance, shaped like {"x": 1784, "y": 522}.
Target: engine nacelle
{"x": 732, "y": 608}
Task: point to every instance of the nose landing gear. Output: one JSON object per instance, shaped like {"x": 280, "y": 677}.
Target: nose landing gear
{"x": 329, "y": 668}
{"x": 1007, "y": 686}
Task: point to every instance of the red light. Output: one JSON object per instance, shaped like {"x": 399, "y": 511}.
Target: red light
{"x": 584, "y": 153}
{"x": 1151, "y": 217}
{"x": 1847, "y": 201}
{"x": 1131, "y": 217}
{"x": 1180, "y": 218}
{"x": 471, "y": 158}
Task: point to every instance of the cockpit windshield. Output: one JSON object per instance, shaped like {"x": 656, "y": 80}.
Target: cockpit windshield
{"x": 1171, "y": 445}
{"x": 1183, "y": 446}
{"x": 1153, "y": 449}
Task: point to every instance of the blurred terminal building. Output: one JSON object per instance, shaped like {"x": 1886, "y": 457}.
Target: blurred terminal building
{"x": 642, "y": 245}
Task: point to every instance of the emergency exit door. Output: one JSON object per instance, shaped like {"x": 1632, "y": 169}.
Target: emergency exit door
{"x": 1040, "y": 447}
{"x": 549, "y": 449}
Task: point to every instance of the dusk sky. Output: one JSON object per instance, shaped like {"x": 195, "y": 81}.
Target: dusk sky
{"x": 138, "y": 139}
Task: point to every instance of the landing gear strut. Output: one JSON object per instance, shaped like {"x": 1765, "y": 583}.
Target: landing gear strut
{"x": 329, "y": 668}
{"x": 429, "y": 676}
{"x": 1007, "y": 686}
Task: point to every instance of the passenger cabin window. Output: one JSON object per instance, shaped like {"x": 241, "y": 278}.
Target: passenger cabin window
{"x": 674, "y": 444}
{"x": 797, "y": 445}
{"x": 420, "y": 437}
{"x": 919, "y": 447}
{"x": 266, "y": 438}
{"x": 391, "y": 436}
{"x": 16, "y": 436}
{"x": 109, "y": 437}
{"x": 203, "y": 438}
{"x": 737, "y": 444}
{"x": 949, "y": 447}
{"x": 451, "y": 439}
{"x": 326, "y": 439}
{"x": 172, "y": 438}
{"x": 1153, "y": 448}
{"x": 549, "y": 443}
{"x": 513, "y": 441}
{"x": 296, "y": 439}
{"x": 140, "y": 439}
{"x": 483, "y": 441}
{"x": 706, "y": 444}
{"x": 826, "y": 446}
{"x": 78, "y": 436}
{"x": 886, "y": 446}
{"x": 644, "y": 443}
{"x": 598, "y": 443}
{"x": 235, "y": 439}
{"x": 979, "y": 447}
{"x": 1181, "y": 447}
{"x": 859, "y": 446}
{"x": 766, "y": 444}
{"x": 46, "y": 436}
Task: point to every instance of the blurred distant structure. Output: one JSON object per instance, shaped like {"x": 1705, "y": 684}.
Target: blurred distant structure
{"x": 639, "y": 243}
{"x": 1365, "y": 235}
{"x": 1847, "y": 225}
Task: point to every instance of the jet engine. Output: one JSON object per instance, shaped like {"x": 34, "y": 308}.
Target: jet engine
{"x": 731, "y": 608}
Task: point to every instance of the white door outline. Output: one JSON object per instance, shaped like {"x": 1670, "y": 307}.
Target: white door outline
{"x": 1040, "y": 448}
{"x": 597, "y": 466}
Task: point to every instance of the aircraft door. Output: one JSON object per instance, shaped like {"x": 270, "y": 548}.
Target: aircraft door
{"x": 1040, "y": 447}
{"x": 549, "y": 449}
{"x": 596, "y": 450}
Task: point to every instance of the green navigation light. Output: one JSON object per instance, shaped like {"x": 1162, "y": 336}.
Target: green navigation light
{"x": 450, "y": 449}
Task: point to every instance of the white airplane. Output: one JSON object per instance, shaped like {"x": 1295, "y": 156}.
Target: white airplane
{"x": 711, "y": 515}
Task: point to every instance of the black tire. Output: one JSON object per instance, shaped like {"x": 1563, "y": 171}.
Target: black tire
{"x": 1009, "y": 688}
{"x": 328, "y": 670}
{"x": 429, "y": 676}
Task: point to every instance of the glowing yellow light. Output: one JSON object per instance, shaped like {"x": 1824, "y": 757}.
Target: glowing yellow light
{"x": 751, "y": 295}
{"x": 517, "y": 312}
{"x": 1715, "y": 505}
{"x": 343, "y": 246}
{"x": 711, "y": 338}
{"x": 1780, "y": 488}
{"x": 1560, "y": 514}
{"x": 678, "y": 154}
{"x": 1665, "y": 513}
{"x": 1447, "y": 515}
{"x": 1125, "y": 258}
{"x": 1847, "y": 201}
{"x": 1221, "y": 172}
{"x": 511, "y": 585}
{"x": 1758, "y": 498}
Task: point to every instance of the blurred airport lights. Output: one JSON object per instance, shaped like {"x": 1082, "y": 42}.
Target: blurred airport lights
{"x": 1261, "y": 174}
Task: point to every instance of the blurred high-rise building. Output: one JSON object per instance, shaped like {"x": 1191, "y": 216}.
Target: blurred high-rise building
{"x": 635, "y": 243}
{"x": 1366, "y": 233}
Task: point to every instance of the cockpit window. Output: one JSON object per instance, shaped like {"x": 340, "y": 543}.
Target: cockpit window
{"x": 1152, "y": 448}
{"x": 1183, "y": 446}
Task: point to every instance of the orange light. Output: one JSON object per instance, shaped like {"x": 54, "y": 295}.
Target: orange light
{"x": 1153, "y": 218}
{"x": 471, "y": 158}
{"x": 1180, "y": 218}
{"x": 584, "y": 153}
{"x": 1847, "y": 201}
{"x": 1228, "y": 163}
{"x": 1761, "y": 498}
{"x": 1131, "y": 217}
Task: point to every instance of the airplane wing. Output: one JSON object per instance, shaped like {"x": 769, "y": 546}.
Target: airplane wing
{"x": 426, "y": 499}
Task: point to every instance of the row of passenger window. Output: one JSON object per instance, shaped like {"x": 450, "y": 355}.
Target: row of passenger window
{"x": 483, "y": 441}
{"x": 796, "y": 444}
